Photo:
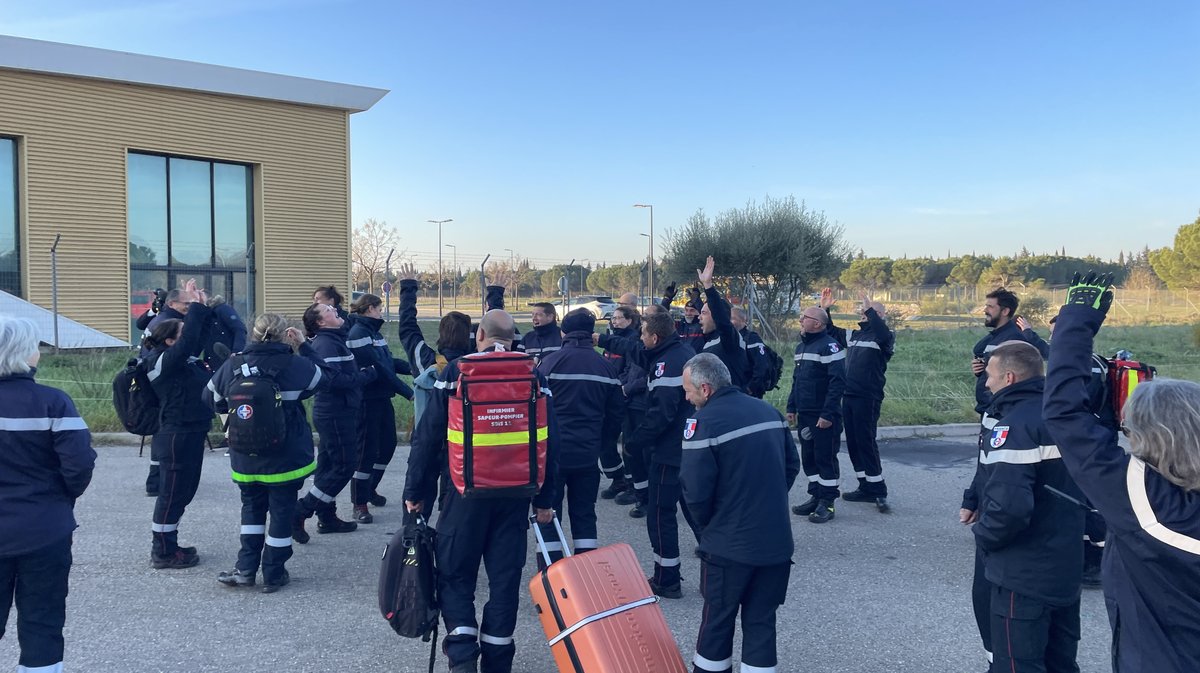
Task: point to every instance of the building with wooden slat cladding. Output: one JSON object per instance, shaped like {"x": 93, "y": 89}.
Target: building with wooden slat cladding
{"x": 156, "y": 170}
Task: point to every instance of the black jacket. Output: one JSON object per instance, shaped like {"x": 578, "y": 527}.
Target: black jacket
{"x": 757, "y": 363}
{"x": 46, "y": 462}
{"x": 819, "y": 378}
{"x": 1008, "y": 332}
{"x": 1152, "y": 550}
{"x": 300, "y": 376}
{"x": 587, "y": 399}
{"x": 542, "y": 341}
{"x": 371, "y": 349}
{"x": 1029, "y": 536}
{"x": 177, "y": 375}
{"x": 629, "y": 372}
{"x": 343, "y": 392}
{"x": 658, "y": 432}
{"x": 690, "y": 333}
{"x": 739, "y": 462}
{"x": 868, "y": 350}
{"x": 167, "y": 313}
{"x": 226, "y": 328}
{"x": 725, "y": 341}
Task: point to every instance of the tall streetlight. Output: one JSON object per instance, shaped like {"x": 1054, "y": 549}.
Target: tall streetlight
{"x": 451, "y": 245}
{"x": 651, "y": 262}
{"x": 512, "y": 274}
{"x": 650, "y": 266}
{"x": 439, "y": 223}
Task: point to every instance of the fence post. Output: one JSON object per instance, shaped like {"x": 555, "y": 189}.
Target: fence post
{"x": 483, "y": 283}
{"x": 54, "y": 285}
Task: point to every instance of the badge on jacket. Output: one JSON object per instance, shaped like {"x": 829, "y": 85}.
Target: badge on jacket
{"x": 999, "y": 436}
{"x": 689, "y": 428}
{"x": 660, "y": 368}
{"x": 833, "y": 348}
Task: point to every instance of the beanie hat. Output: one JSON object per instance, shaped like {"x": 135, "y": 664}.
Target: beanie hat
{"x": 578, "y": 322}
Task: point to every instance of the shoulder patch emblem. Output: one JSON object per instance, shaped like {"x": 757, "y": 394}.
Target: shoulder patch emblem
{"x": 762, "y": 349}
{"x": 999, "y": 436}
{"x": 660, "y": 368}
{"x": 689, "y": 428}
{"x": 833, "y": 347}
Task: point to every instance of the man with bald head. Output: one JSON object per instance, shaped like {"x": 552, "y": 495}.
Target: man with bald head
{"x": 487, "y": 530}
{"x": 815, "y": 407}
{"x": 868, "y": 350}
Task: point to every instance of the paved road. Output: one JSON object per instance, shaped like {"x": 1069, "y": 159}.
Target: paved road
{"x": 870, "y": 593}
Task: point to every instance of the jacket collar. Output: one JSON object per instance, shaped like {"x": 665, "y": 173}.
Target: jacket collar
{"x": 268, "y": 348}
{"x": 809, "y": 338}
{"x": 373, "y": 323}
{"x": 15, "y": 376}
{"x": 547, "y": 330}
{"x": 578, "y": 339}
{"x": 1021, "y": 391}
{"x": 663, "y": 345}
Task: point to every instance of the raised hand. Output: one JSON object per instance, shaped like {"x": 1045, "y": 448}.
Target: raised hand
{"x": 408, "y": 271}
{"x": 826, "y": 298}
{"x": 707, "y": 274}
{"x": 1091, "y": 290}
{"x": 1022, "y": 323}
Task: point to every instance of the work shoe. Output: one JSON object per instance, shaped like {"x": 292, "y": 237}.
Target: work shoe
{"x": 882, "y": 505}
{"x": 362, "y": 514}
{"x": 805, "y": 508}
{"x": 627, "y": 497}
{"x": 672, "y": 591}
{"x": 236, "y": 578}
{"x": 377, "y": 500}
{"x": 277, "y": 585}
{"x": 823, "y": 512}
{"x": 465, "y": 667}
{"x": 300, "y": 535}
{"x": 615, "y": 488}
{"x": 176, "y": 560}
{"x": 857, "y": 495}
{"x": 638, "y": 511}
{"x": 332, "y": 524}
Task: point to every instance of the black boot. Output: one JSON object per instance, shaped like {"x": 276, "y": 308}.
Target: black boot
{"x": 805, "y": 508}
{"x": 298, "y": 533}
{"x": 823, "y": 512}
{"x": 236, "y": 578}
{"x": 328, "y": 522}
{"x": 617, "y": 486}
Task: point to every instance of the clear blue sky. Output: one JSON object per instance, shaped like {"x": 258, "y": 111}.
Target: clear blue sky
{"x": 922, "y": 127}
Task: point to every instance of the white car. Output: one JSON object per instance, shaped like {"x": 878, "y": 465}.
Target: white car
{"x": 601, "y": 306}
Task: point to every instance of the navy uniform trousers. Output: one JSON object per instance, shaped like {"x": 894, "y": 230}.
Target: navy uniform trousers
{"x": 728, "y": 588}
{"x": 1031, "y": 636}
{"x": 661, "y": 523}
{"x": 634, "y": 457}
{"x": 336, "y": 462}
{"x": 269, "y": 546}
{"x": 818, "y": 456}
{"x": 180, "y": 457}
{"x": 860, "y": 415}
{"x": 580, "y": 485}
{"x": 376, "y": 446}
{"x": 38, "y": 582}
{"x": 494, "y": 531}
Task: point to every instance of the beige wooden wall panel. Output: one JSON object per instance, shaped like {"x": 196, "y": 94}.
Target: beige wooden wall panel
{"x": 74, "y": 137}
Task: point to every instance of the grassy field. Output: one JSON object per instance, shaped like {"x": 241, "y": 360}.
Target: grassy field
{"x": 929, "y": 378}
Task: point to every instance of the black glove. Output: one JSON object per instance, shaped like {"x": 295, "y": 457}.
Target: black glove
{"x": 669, "y": 293}
{"x": 160, "y": 300}
{"x": 694, "y": 293}
{"x": 1091, "y": 290}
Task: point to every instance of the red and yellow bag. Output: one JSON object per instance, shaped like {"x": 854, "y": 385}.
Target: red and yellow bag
{"x": 1123, "y": 378}
{"x": 498, "y": 427}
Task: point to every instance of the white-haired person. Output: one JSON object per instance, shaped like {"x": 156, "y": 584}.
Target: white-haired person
{"x": 46, "y": 462}
{"x": 270, "y": 472}
{"x": 1150, "y": 496}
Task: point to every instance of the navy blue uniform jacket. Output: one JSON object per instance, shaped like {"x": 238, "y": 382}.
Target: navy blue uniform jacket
{"x": 739, "y": 462}
{"x": 868, "y": 350}
{"x": 658, "y": 431}
{"x": 1152, "y": 553}
{"x": 757, "y": 362}
{"x": 46, "y": 462}
{"x": 542, "y": 341}
{"x": 725, "y": 341}
{"x": 343, "y": 392}
{"x": 371, "y": 349}
{"x": 177, "y": 375}
{"x": 983, "y": 348}
{"x": 587, "y": 399}
{"x": 1029, "y": 536}
{"x": 819, "y": 378}
{"x": 631, "y": 374}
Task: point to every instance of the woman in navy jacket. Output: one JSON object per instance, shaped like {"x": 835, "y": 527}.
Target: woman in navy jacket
{"x": 1150, "y": 497}
{"x": 377, "y": 420}
{"x": 46, "y": 460}
{"x": 269, "y": 480}
{"x": 177, "y": 375}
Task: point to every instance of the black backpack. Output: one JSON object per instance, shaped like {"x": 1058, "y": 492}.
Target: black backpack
{"x": 408, "y": 582}
{"x": 135, "y": 401}
{"x": 257, "y": 425}
{"x": 774, "y": 367}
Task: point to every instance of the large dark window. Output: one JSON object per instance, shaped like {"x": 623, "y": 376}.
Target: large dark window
{"x": 10, "y": 242}
{"x": 189, "y": 218}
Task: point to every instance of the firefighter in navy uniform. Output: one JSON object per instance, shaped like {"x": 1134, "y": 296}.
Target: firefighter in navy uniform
{"x": 269, "y": 480}
{"x": 721, "y": 338}
{"x": 868, "y": 350}
{"x": 815, "y": 406}
{"x": 1028, "y": 535}
{"x": 690, "y": 331}
{"x": 626, "y": 324}
{"x": 493, "y": 530}
{"x": 739, "y": 462}
{"x": 588, "y": 408}
{"x": 1000, "y": 315}
{"x": 758, "y": 364}
{"x": 546, "y": 336}
{"x": 335, "y": 416}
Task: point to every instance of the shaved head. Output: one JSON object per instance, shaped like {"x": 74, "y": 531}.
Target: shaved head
{"x": 628, "y": 299}
{"x": 497, "y": 325}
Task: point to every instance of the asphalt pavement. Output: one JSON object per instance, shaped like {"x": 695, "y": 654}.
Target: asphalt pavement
{"x": 869, "y": 593}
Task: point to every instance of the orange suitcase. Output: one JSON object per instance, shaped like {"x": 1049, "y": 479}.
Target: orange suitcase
{"x": 599, "y": 614}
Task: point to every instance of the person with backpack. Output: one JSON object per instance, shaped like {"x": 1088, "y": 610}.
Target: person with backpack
{"x": 178, "y": 375}
{"x": 721, "y": 338}
{"x": 335, "y": 415}
{"x": 471, "y": 529}
{"x": 46, "y": 463}
{"x": 226, "y": 332}
{"x": 270, "y": 442}
{"x": 377, "y": 418}
{"x": 762, "y": 369}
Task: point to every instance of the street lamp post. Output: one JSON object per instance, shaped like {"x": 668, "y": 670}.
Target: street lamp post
{"x": 439, "y": 223}
{"x": 651, "y": 262}
{"x": 451, "y": 245}
{"x": 512, "y": 276}
{"x": 650, "y": 266}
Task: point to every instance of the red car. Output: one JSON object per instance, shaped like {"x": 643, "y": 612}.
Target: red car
{"x": 140, "y": 302}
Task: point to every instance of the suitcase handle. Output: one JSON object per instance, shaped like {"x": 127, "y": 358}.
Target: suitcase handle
{"x": 541, "y": 542}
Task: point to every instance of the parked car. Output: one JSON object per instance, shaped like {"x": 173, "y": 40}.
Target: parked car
{"x": 601, "y": 306}
{"x": 140, "y": 301}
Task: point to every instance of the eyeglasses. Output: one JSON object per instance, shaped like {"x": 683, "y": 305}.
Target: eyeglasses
{"x": 1124, "y": 430}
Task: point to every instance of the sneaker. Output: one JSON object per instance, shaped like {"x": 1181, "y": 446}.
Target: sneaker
{"x": 332, "y": 524}
{"x": 236, "y": 578}
{"x": 362, "y": 514}
{"x": 672, "y": 591}
{"x": 377, "y": 500}
{"x": 638, "y": 511}
{"x": 627, "y": 497}
{"x": 882, "y": 505}
{"x": 277, "y": 585}
{"x": 857, "y": 495}
{"x": 177, "y": 560}
{"x": 300, "y": 535}
{"x": 805, "y": 508}
{"x": 615, "y": 488}
{"x": 822, "y": 513}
